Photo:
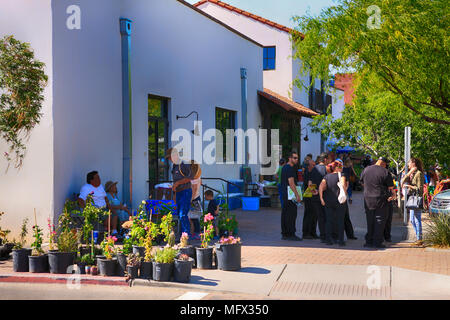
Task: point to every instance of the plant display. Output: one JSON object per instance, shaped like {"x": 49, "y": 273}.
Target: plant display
{"x": 65, "y": 220}
{"x": 3, "y": 233}
{"x": 184, "y": 240}
{"x": 91, "y": 215}
{"x": 37, "y": 244}
{"x": 107, "y": 246}
{"x": 23, "y": 234}
{"x": 227, "y": 221}
{"x": 22, "y": 83}
{"x": 133, "y": 260}
{"x": 166, "y": 255}
{"x": 230, "y": 240}
{"x": 184, "y": 257}
{"x": 87, "y": 259}
{"x": 208, "y": 230}
{"x": 166, "y": 226}
{"x": 137, "y": 231}
{"x": 127, "y": 247}
{"x": 438, "y": 231}
{"x": 51, "y": 235}
{"x": 68, "y": 241}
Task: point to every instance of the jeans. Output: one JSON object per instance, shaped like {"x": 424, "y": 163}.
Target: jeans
{"x": 349, "y": 191}
{"x": 416, "y": 221}
{"x": 183, "y": 205}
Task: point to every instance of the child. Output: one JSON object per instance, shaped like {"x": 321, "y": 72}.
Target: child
{"x": 213, "y": 208}
{"x": 195, "y": 213}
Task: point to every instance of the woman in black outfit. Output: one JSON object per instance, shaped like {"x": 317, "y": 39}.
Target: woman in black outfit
{"x": 335, "y": 211}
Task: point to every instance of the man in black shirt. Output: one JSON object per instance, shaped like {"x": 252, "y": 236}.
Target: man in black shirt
{"x": 318, "y": 212}
{"x": 377, "y": 181}
{"x": 289, "y": 209}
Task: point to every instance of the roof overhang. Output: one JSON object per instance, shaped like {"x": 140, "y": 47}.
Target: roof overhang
{"x": 287, "y": 104}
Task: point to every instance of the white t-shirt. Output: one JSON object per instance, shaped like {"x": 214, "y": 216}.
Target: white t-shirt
{"x": 197, "y": 183}
{"x": 98, "y": 195}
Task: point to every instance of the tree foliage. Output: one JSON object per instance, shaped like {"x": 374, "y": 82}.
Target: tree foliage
{"x": 404, "y": 44}
{"x": 22, "y": 82}
{"x": 375, "y": 123}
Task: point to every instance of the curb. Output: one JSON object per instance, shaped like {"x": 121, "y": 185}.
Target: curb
{"x": 61, "y": 279}
{"x": 171, "y": 284}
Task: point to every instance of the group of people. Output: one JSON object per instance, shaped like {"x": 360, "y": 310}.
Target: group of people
{"x": 329, "y": 179}
{"x": 186, "y": 186}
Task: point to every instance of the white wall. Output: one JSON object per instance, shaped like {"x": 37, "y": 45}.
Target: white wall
{"x": 181, "y": 54}
{"x": 338, "y": 102}
{"x": 87, "y": 96}
{"x": 31, "y": 187}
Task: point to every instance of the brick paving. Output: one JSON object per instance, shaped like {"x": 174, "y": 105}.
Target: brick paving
{"x": 262, "y": 244}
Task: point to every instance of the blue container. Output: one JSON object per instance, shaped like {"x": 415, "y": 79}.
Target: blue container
{"x": 236, "y": 187}
{"x": 250, "y": 203}
{"x": 234, "y": 201}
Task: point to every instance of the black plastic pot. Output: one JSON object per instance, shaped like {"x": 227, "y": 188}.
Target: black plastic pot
{"x": 20, "y": 260}
{"x": 99, "y": 256}
{"x": 38, "y": 264}
{"x": 5, "y": 250}
{"x": 162, "y": 271}
{"x": 182, "y": 270}
{"x": 107, "y": 267}
{"x": 190, "y": 251}
{"x": 84, "y": 250}
{"x": 228, "y": 256}
{"x": 204, "y": 258}
{"x": 139, "y": 250}
{"x": 132, "y": 271}
{"x": 121, "y": 264}
{"x": 81, "y": 267}
{"x": 60, "y": 261}
{"x": 146, "y": 270}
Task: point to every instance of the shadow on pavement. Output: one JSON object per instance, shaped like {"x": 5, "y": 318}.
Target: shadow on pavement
{"x": 254, "y": 270}
{"x": 203, "y": 281}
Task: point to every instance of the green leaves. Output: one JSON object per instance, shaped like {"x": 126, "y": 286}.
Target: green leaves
{"x": 408, "y": 53}
{"x": 22, "y": 82}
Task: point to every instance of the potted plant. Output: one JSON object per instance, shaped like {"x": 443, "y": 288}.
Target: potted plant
{"x": 163, "y": 263}
{"x": 38, "y": 261}
{"x": 146, "y": 268}
{"x": 91, "y": 215}
{"x": 19, "y": 253}
{"x": 228, "y": 251}
{"x": 133, "y": 263}
{"x": 122, "y": 254}
{"x": 138, "y": 232}
{"x": 227, "y": 223}
{"x": 107, "y": 266}
{"x": 185, "y": 248}
{"x": 51, "y": 237}
{"x": 85, "y": 263}
{"x": 60, "y": 260}
{"x": 205, "y": 252}
{"x": 183, "y": 268}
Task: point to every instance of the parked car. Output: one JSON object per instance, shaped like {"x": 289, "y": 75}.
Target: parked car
{"x": 441, "y": 203}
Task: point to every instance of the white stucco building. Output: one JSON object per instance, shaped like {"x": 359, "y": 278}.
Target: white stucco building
{"x": 280, "y": 71}
{"x": 164, "y": 59}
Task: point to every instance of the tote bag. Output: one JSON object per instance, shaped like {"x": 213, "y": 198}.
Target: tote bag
{"x": 414, "y": 202}
{"x": 342, "y": 198}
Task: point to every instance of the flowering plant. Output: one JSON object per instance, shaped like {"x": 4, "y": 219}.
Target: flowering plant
{"x": 227, "y": 222}
{"x": 230, "y": 240}
{"x": 108, "y": 247}
{"x": 37, "y": 244}
{"x": 52, "y": 234}
{"x": 208, "y": 230}
{"x": 183, "y": 257}
{"x": 184, "y": 240}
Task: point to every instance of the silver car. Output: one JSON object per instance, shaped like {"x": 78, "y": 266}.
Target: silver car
{"x": 441, "y": 202}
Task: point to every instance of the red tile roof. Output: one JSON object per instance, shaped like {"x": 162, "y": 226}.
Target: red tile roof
{"x": 247, "y": 14}
{"x": 286, "y": 103}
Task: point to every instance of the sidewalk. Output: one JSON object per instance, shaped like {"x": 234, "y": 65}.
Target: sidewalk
{"x": 277, "y": 269}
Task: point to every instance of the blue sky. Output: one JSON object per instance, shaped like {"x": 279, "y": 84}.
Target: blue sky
{"x": 280, "y": 11}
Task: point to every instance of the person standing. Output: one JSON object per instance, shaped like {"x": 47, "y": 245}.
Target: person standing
{"x": 415, "y": 179}
{"x": 388, "y": 225}
{"x": 351, "y": 177}
{"x": 310, "y": 216}
{"x": 335, "y": 211}
{"x": 182, "y": 176}
{"x": 318, "y": 211}
{"x": 289, "y": 209}
{"x": 377, "y": 182}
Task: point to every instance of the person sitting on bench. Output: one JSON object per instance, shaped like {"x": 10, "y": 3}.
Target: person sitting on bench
{"x": 94, "y": 187}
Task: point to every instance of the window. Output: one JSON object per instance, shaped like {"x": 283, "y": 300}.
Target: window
{"x": 225, "y": 119}
{"x": 269, "y": 58}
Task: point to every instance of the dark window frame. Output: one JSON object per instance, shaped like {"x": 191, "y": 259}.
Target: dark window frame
{"x": 266, "y": 57}
{"x": 232, "y": 125}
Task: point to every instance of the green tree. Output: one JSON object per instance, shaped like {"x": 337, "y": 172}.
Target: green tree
{"x": 22, "y": 82}
{"x": 402, "y": 43}
{"x": 375, "y": 123}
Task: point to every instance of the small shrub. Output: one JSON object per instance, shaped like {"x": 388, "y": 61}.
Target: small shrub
{"x": 438, "y": 231}
{"x": 166, "y": 255}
